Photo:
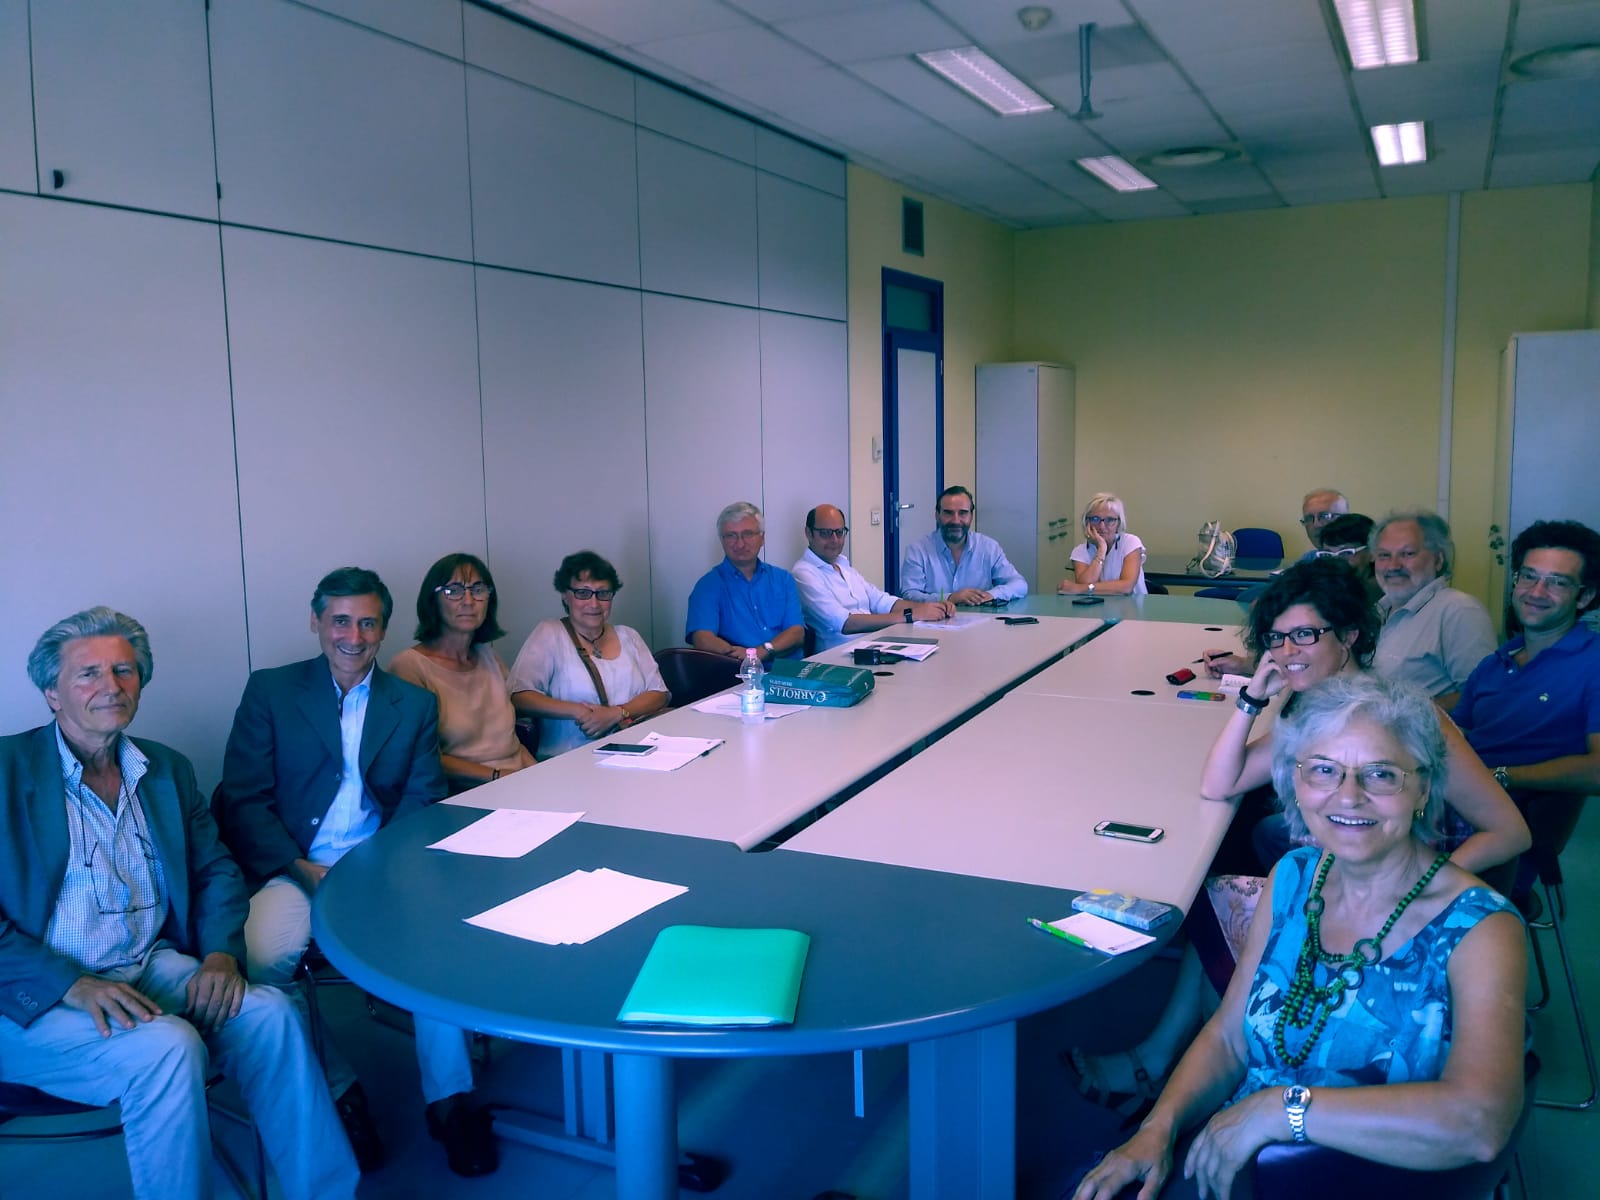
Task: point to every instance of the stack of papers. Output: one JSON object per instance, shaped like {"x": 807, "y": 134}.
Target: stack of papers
{"x": 959, "y": 621}
{"x": 1100, "y": 934}
{"x": 506, "y": 833}
{"x": 915, "y": 649}
{"x": 671, "y": 753}
{"x": 726, "y": 704}
{"x": 577, "y": 908}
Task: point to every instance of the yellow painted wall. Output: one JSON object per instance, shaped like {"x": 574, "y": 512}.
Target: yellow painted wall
{"x": 972, "y": 257}
{"x": 1228, "y": 364}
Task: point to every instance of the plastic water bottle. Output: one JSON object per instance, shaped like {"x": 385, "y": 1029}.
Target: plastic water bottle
{"x": 753, "y": 700}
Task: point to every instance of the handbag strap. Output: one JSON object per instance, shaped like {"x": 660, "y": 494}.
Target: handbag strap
{"x": 588, "y": 662}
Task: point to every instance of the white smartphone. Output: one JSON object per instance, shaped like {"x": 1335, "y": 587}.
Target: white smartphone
{"x": 624, "y": 748}
{"x": 1130, "y": 833}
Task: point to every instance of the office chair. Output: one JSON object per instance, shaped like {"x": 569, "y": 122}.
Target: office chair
{"x": 1155, "y": 589}
{"x": 1226, "y": 591}
{"x": 692, "y": 675}
{"x": 1552, "y": 816}
{"x": 1257, "y": 543}
{"x": 20, "y": 1102}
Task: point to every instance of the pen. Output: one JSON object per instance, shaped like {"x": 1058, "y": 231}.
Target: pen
{"x": 1044, "y": 927}
{"x": 1202, "y": 695}
{"x": 1210, "y": 658}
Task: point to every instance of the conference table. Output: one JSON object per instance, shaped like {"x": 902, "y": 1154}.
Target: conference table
{"x": 968, "y": 779}
{"x": 1188, "y": 610}
{"x": 1132, "y": 661}
{"x": 1174, "y": 569}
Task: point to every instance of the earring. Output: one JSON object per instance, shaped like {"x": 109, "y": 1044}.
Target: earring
{"x": 1420, "y": 813}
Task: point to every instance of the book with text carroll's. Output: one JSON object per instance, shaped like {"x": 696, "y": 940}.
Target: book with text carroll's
{"x": 706, "y": 975}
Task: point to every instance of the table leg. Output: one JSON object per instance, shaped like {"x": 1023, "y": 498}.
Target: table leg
{"x": 647, "y": 1126}
{"x": 963, "y": 1116}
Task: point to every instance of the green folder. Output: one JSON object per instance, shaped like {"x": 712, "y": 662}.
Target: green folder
{"x": 703, "y": 975}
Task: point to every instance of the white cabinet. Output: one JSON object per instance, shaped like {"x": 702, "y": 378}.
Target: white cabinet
{"x": 122, "y": 104}
{"x": 1025, "y": 415}
{"x": 16, "y": 100}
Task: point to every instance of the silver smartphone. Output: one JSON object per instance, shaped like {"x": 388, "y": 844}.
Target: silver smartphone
{"x": 1130, "y": 833}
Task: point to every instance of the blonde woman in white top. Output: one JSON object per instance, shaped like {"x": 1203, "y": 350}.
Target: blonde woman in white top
{"x": 1110, "y": 560}
{"x": 456, "y": 610}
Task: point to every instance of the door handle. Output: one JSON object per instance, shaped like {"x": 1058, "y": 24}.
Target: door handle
{"x": 905, "y": 506}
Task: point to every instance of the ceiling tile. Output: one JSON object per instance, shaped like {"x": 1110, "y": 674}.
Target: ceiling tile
{"x": 905, "y": 28}
{"x": 631, "y": 22}
{"x": 1220, "y": 25}
{"x": 1452, "y": 88}
{"x": 1541, "y": 28}
{"x": 1550, "y": 166}
{"x": 732, "y": 54}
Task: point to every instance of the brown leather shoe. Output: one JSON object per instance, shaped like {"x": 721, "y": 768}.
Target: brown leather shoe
{"x": 359, "y": 1128}
{"x": 467, "y": 1134}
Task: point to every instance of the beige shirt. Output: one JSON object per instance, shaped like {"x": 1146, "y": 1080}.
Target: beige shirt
{"x": 476, "y": 720}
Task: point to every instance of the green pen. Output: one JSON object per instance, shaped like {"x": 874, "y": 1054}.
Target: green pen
{"x": 1046, "y": 927}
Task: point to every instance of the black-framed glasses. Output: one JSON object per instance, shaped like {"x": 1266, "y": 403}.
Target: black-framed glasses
{"x": 1556, "y": 585}
{"x": 1374, "y": 778}
{"x": 1108, "y": 520}
{"x": 455, "y": 590}
{"x": 830, "y": 533}
{"x": 586, "y": 593}
{"x": 1304, "y": 635}
{"x": 1341, "y": 552}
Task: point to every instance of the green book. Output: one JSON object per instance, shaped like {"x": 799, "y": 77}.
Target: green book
{"x": 704, "y": 975}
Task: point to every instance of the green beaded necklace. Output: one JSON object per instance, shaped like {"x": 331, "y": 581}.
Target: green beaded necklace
{"x": 1307, "y": 1004}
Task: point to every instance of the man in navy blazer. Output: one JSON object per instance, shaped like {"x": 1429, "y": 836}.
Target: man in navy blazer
{"x": 121, "y": 920}
{"x": 322, "y": 754}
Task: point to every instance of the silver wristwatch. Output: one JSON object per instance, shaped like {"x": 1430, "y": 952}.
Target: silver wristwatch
{"x": 1091, "y": 589}
{"x": 1502, "y": 776}
{"x": 1296, "y": 1099}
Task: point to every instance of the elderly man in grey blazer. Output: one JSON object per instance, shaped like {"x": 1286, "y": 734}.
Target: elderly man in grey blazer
{"x": 323, "y": 753}
{"x": 121, "y": 920}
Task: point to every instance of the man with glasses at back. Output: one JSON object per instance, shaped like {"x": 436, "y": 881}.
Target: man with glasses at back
{"x": 121, "y": 936}
{"x": 1316, "y": 510}
{"x": 1531, "y": 709}
{"x": 743, "y": 603}
{"x": 837, "y": 600}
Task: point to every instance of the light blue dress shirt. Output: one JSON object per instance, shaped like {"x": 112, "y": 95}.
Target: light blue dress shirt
{"x": 929, "y": 571}
{"x": 352, "y": 817}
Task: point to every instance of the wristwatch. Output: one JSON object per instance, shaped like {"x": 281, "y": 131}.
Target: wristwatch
{"x": 1091, "y": 589}
{"x": 1296, "y": 1099}
{"x": 771, "y": 653}
{"x": 1502, "y": 776}
{"x": 907, "y": 615}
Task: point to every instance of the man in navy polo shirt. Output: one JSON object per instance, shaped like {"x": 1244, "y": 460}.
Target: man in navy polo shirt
{"x": 742, "y": 602}
{"x": 1532, "y": 708}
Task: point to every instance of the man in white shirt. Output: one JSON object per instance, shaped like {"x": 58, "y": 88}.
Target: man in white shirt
{"x": 837, "y": 600}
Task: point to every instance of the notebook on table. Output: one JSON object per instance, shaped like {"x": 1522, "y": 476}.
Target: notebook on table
{"x": 711, "y": 976}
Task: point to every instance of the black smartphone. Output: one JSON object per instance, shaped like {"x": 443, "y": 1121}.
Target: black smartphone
{"x": 1088, "y": 599}
{"x": 1020, "y": 620}
{"x": 624, "y": 748}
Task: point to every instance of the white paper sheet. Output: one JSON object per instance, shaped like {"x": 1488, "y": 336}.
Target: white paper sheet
{"x": 671, "y": 753}
{"x": 916, "y": 649}
{"x": 961, "y": 620}
{"x": 726, "y": 704}
{"x": 1105, "y": 936}
{"x": 506, "y": 833}
{"x": 576, "y": 908}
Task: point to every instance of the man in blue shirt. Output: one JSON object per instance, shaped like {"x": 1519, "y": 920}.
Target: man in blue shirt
{"x": 957, "y": 563}
{"x": 1531, "y": 709}
{"x": 743, "y": 603}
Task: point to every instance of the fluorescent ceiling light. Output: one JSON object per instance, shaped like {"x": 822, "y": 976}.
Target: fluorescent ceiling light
{"x": 1117, "y": 173}
{"x": 1400, "y": 145}
{"x": 1378, "y": 33}
{"x": 985, "y": 80}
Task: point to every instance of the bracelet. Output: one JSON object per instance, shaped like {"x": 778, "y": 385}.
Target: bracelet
{"x": 626, "y": 719}
{"x": 1249, "y": 704}
{"x": 494, "y": 774}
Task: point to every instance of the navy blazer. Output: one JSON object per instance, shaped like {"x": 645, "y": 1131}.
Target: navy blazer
{"x": 206, "y": 904}
{"x": 284, "y": 757}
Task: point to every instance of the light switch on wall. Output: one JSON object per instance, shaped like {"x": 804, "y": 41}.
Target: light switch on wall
{"x": 877, "y": 516}
{"x": 877, "y": 450}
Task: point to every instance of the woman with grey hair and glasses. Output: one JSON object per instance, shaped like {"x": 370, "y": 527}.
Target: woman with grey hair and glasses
{"x": 1377, "y": 1004}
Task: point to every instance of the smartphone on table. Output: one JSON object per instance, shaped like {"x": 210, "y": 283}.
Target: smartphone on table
{"x": 1130, "y": 833}
{"x": 624, "y": 748}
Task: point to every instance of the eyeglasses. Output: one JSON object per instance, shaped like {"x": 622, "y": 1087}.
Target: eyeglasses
{"x": 121, "y": 886}
{"x": 1324, "y": 775}
{"x": 1341, "y": 552}
{"x": 582, "y": 593}
{"x": 1102, "y": 521}
{"x": 830, "y": 533}
{"x": 457, "y": 590}
{"x": 1305, "y": 635}
{"x": 742, "y": 535}
{"x": 1556, "y": 585}
{"x": 1319, "y": 518}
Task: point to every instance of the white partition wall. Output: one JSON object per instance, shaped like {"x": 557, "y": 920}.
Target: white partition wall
{"x": 563, "y": 441}
{"x": 359, "y": 439}
{"x": 702, "y": 371}
{"x": 116, "y": 468}
{"x": 466, "y": 287}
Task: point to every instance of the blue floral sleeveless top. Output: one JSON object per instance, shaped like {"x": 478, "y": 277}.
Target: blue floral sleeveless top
{"x": 1394, "y": 1028}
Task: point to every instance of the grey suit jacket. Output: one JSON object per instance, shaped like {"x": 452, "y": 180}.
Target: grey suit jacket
{"x": 206, "y": 904}
{"x": 284, "y": 757}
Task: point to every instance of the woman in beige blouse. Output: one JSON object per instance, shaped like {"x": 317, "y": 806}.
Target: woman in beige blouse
{"x": 456, "y": 610}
